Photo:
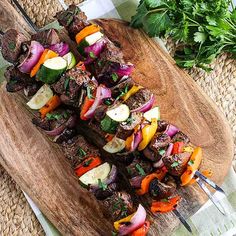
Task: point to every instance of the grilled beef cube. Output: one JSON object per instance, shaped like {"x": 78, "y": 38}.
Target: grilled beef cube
{"x": 66, "y": 135}
{"x": 42, "y": 123}
{"x": 176, "y": 164}
{"x": 124, "y": 85}
{"x": 31, "y": 89}
{"x": 47, "y": 37}
{"x": 69, "y": 86}
{"x": 120, "y": 204}
{"x": 139, "y": 99}
{"x": 16, "y": 80}
{"x": 126, "y": 128}
{"x": 73, "y": 19}
{"x": 101, "y": 194}
{"x": 160, "y": 190}
{"x": 162, "y": 124}
{"x": 180, "y": 136}
{"x": 139, "y": 167}
{"x": 78, "y": 149}
{"x": 11, "y": 45}
{"x": 159, "y": 141}
{"x": 100, "y": 113}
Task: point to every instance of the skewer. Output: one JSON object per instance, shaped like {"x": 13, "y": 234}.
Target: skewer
{"x": 183, "y": 221}
{"x": 26, "y": 17}
{"x": 213, "y": 198}
{"x": 210, "y": 182}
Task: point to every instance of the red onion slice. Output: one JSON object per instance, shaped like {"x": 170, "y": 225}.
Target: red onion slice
{"x": 146, "y": 107}
{"x": 136, "y": 222}
{"x": 101, "y": 93}
{"x": 169, "y": 149}
{"x": 34, "y": 53}
{"x": 158, "y": 164}
{"x": 136, "y": 181}
{"x": 60, "y": 48}
{"x": 136, "y": 141}
{"x": 124, "y": 70}
{"x": 171, "y": 130}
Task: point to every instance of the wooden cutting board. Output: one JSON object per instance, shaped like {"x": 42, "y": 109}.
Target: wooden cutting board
{"x": 41, "y": 170}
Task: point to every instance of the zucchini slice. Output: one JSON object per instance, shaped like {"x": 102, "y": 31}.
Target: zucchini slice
{"x": 43, "y": 95}
{"x": 115, "y": 145}
{"x": 51, "y": 70}
{"x": 71, "y": 61}
{"x": 154, "y": 113}
{"x": 119, "y": 113}
{"x": 91, "y": 177}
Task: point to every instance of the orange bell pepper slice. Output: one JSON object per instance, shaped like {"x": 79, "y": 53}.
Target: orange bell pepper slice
{"x": 51, "y": 105}
{"x": 147, "y": 180}
{"x": 193, "y": 165}
{"x": 177, "y": 148}
{"x": 47, "y": 54}
{"x": 88, "y": 164}
{"x": 88, "y": 30}
{"x": 143, "y": 230}
{"x": 88, "y": 102}
{"x": 81, "y": 66}
{"x": 165, "y": 206}
{"x": 207, "y": 173}
{"x": 148, "y": 132}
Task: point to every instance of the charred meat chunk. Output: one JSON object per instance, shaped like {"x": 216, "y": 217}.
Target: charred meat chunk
{"x": 126, "y": 128}
{"x": 124, "y": 84}
{"x": 47, "y": 37}
{"x": 100, "y": 113}
{"x": 69, "y": 86}
{"x": 102, "y": 194}
{"x": 160, "y": 190}
{"x": 66, "y": 135}
{"x": 31, "y": 89}
{"x": 16, "y": 80}
{"x": 180, "y": 136}
{"x": 139, "y": 99}
{"x": 176, "y": 164}
{"x": 121, "y": 205}
{"x": 11, "y": 45}
{"x": 139, "y": 167}
{"x": 78, "y": 149}
{"x": 162, "y": 125}
{"x": 73, "y": 19}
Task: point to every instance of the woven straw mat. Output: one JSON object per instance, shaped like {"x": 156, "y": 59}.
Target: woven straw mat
{"x": 16, "y": 217}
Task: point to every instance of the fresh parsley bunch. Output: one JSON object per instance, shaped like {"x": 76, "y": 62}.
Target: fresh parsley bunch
{"x": 204, "y": 28}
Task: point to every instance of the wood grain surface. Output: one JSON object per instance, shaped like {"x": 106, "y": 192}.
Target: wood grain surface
{"x": 39, "y": 167}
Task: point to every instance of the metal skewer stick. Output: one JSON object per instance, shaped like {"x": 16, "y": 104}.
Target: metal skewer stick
{"x": 183, "y": 221}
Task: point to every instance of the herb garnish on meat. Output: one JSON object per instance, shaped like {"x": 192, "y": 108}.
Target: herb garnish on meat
{"x": 102, "y": 185}
{"x": 140, "y": 170}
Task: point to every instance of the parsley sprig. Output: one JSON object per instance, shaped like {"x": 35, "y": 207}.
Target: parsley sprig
{"x": 204, "y": 28}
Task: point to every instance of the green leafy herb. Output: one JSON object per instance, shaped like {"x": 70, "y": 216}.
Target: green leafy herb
{"x": 89, "y": 94}
{"x": 175, "y": 164}
{"x": 140, "y": 170}
{"x": 81, "y": 153}
{"x": 205, "y": 28}
{"x": 87, "y": 163}
{"x": 114, "y": 233}
{"x": 92, "y": 55}
{"x": 54, "y": 116}
{"x": 162, "y": 152}
{"x": 129, "y": 121}
{"x": 12, "y": 45}
{"x": 102, "y": 185}
{"x": 107, "y": 101}
{"x": 108, "y": 125}
{"x": 191, "y": 162}
{"x": 114, "y": 77}
{"x": 66, "y": 83}
{"x": 128, "y": 170}
{"x": 120, "y": 206}
{"x": 164, "y": 200}
{"x": 123, "y": 92}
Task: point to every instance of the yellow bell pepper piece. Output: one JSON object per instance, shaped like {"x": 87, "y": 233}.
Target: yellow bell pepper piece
{"x": 132, "y": 91}
{"x": 147, "y": 133}
{"x": 126, "y": 219}
{"x": 193, "y": 165}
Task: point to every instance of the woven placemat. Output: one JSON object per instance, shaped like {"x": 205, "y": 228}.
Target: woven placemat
{"x": 16, "y": 217}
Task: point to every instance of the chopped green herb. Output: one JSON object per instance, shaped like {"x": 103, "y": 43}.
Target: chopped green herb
{"x": 66, "y": 83}
{"x": 175, "y": 164}
{"x": 108, "y": 125}
{"x": 120, "y": 205}
{"x": 87, "y": 163}
{"x": 114, "y": 77}
{"x": 55, "y": 116}
{"x": 12, "y": 45}
{"x": 129, "y": 170}
{"x": 191, "y": 162}
{"x": 65, "y": 114}
{"x": 113, "y": 233}
{"x": 140, "y": 170}
{"x": 164, "y": 200}
{"x": 89, "y": 95}
{"x": 123, "y": 92}
{"x": 107, "y": 101}
{"x": 92, "y": 55}
{"x": 129, "y": 121}
{"x": 81, "y": 153}
{"x": 100, "y": 63}
{"x": 162, "y": 152}
{"x": 102, "y": 185}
